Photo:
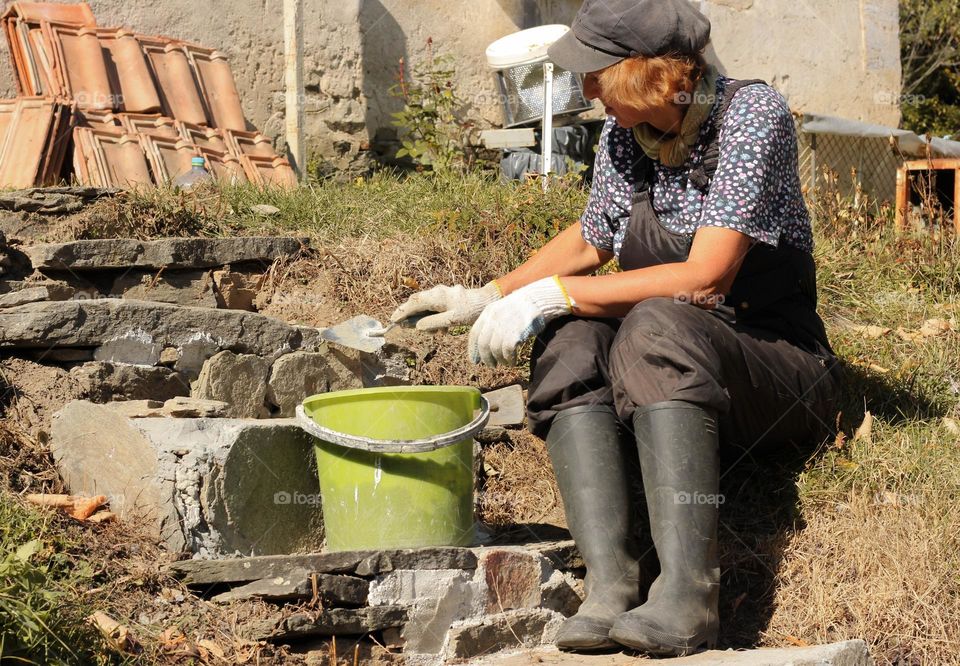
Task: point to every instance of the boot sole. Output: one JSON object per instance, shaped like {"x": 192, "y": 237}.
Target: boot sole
{"x": 661, "y": 644}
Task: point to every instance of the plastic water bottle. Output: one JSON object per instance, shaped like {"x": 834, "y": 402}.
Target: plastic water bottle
{"x": 197, "y": 175}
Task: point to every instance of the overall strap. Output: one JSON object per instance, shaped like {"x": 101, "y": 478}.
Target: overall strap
{"x": 702, "y": 176}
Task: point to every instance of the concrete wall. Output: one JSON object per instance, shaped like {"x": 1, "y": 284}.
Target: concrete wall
{"x": 827, "y": 57}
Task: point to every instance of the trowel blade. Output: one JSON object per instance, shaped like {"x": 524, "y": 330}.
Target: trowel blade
{"x": 361, "y": 332}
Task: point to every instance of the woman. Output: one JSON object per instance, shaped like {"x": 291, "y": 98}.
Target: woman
{"x": 709, "y": 330}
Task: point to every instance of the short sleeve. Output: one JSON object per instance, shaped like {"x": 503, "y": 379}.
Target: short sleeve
{"x": 608, "y": 207}
{"x": 757, "y": 146}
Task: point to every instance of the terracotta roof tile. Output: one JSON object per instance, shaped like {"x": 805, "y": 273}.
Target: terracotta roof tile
{"x": 168, "y": 157}
{"x": 225, "y": 167}
{"x": 77, "y": 14}
{"x": 204, "y": 137}
{"x": 110, "y": 158}
{"x": 122, "y": 83}
{"x": 218, "y": 87}
{"x": 249, "y": 143}
{"x": 94, "y": 119}
{"x": 143, "y": 123}
{"x": 174, "y": 77}
{"x": 82, "y": 65}
{"x": 32, "y": 143}
{"x": 129, "y": 74}
{"x": 269, "y": 171}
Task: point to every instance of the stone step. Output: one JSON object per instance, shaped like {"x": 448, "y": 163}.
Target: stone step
{"x": 330, "y": 589}
{"x": 845, "y": 653}
{"x": 137, "y": 332}
{"x": 171, "y": 253}
{"x": 361, "y": 563}
{"x": 333, "y": 622}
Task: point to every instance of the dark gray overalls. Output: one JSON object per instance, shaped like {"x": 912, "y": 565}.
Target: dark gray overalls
{"x": 761, "y": 360}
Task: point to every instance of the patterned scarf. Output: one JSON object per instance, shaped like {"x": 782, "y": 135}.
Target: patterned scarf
{"x": 673, "y": 151}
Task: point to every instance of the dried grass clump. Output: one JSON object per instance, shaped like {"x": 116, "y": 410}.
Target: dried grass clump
{"x": 519, "y": 484}
{"x": 882, "y": 570}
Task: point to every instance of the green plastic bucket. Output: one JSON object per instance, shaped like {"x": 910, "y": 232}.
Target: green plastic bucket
{"x": 396, "y": 464}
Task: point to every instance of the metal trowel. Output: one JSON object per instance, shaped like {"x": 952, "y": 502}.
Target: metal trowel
{"x": 365, "y": 333}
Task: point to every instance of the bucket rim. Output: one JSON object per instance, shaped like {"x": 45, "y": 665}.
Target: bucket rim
{"x": 381, "y": 390}
{"x": 374, "y": 445}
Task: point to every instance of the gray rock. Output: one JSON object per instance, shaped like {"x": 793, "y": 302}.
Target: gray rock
{"x": 135, "y": 347}
{"x": 194, "y": 331}
{"x": 163, "y": 253}
{"x": 100, "y": 452}
{"x": 238, "y": 380}
{"x": 34, "y": 294}
{"x": 299, "y": 375}
{"x": 506, "y": 406}
{"x": 241, "y": 570}
{"x": 177, "y": 408}
{"x": 184, "y": 407}
{"x": 333, "y": 622}
{"x": 331, "y": 589}
{"x": 265, "y": 210}
{"x": 235, "y": 291}
{"x": 52, "y": 200}
{"x": 528, "y": 627}
{"x": 210, "y": 486}
{"x": 106, "y": 382}
{"x": 389, "y": 366}
{"x": 192, "y": 288}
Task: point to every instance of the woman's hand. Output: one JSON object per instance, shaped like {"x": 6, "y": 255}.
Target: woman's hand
{"x": 453, "y": 306}
{"x": 505, "y": 325}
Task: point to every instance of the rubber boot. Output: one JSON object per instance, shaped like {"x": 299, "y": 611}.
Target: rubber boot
{"x": 679, "y": 458}
{"x": 589, "y": 461}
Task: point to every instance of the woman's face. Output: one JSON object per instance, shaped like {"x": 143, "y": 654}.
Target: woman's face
{"x": 626, "y": 117}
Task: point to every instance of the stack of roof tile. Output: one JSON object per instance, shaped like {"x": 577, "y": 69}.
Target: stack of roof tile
{"x": 138, "y": 107}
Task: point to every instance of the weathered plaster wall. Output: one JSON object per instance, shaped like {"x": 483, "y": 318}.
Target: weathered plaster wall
{"x": 839, "y": 58}
{"x": 836, "y": 58}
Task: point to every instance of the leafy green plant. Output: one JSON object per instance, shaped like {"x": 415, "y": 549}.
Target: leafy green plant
{"x": 433, "y": 133}
{"x": 930, "y": 56}
{"x": 41, "y": 611}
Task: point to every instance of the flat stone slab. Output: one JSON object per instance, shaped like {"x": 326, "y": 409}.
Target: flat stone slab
{"x": 331, "y": 589}
{"x": 362, "y": 563}
{"x": 846, "y": 653}
{"x": 122, "y": 324}
{"x": 110, "y": 254}
{"x": 333, "y": 622}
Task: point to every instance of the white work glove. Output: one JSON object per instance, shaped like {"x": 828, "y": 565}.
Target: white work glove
{"x": 505, "y": 325}
{"x": 455, "y": 306}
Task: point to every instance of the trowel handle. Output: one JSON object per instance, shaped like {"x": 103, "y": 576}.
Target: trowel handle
{"x": 409, "y": 322}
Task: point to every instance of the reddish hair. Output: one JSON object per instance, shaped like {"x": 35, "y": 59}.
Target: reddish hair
{"x": 644, "y": 82}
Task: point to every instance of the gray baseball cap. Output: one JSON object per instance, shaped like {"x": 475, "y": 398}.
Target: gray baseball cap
{"x": 605, "y": 32}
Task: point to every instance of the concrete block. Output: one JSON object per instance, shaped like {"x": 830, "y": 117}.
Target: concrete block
{"x": 210, "y": 486}
{"x": 434, "y": 600}
{"x": 240, "y": 380}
